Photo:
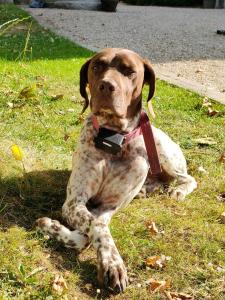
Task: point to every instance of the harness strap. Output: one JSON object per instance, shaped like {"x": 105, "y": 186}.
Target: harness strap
{"x": 150, "y": 144}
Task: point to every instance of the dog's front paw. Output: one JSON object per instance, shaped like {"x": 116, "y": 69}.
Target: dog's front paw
{"x": 47, "y": 225}
{"x": 177, "y": 194}
{"x": 113, "y": 274}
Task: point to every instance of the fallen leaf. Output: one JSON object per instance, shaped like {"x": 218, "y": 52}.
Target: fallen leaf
{"x": 152, "y": 228}
{"x": 59, "y": 285}
{"x": 157, "y": 261}
{"x": 70, "y": 110}
{"x": 66, "y": 136}
{"x": 57, "y": 97}
{"x": 17, "y": 152}
{"x": 81, "y": 118}
{"x": 178, "y": 296}
{"x": 212, "y": 112}
{"x": 28, "y": 92}
{"x": 206, "y": 102}
{"x": 222, "y": 158}
{"x": 10, "y": 104}
{"x": 222, "y": 218}
{"x": 158, "y": 285}
{"x": 221, "y": 197}
{"x": 201, "y": 169}
{"x": 207, "y": 141}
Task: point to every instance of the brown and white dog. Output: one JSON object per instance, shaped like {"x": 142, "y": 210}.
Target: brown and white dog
{"x": 102, "y": 183}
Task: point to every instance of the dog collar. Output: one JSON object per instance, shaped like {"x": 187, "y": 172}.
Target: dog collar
{"x": 144, "y": 128}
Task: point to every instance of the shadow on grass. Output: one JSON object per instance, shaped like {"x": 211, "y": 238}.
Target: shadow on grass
{"x": 29, "y": 41}
{"x": 38, "y": 194}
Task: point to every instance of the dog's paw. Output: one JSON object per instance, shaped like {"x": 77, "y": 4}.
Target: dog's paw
{"x": 46, "y": 224}
{"x": 177, "y": 194}
{"x": 113, "y": 274}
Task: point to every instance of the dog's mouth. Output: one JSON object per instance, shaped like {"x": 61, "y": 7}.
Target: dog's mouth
{"x": 108, "y": 119}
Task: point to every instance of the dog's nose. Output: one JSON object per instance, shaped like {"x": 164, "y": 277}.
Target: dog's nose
{"x": 107, "y": 86}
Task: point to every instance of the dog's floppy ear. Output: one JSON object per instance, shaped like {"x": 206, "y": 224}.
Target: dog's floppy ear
{"x": 83, "y": 84}
{"x": 149, "y": 78}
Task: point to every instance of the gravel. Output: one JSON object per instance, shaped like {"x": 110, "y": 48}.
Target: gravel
{"x": 178, "y": 41}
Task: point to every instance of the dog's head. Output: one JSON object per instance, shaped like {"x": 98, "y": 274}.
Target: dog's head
{"x": 115, "y": 78}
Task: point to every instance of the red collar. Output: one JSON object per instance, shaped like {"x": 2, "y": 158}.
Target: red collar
{"x": 144, "y": 128}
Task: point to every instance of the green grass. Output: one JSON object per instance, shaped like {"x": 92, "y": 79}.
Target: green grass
{"x": 47, "y": 131}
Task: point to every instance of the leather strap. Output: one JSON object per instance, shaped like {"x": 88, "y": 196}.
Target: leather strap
{"x": 150, "y": 146}
{"x": 144, "y": 129}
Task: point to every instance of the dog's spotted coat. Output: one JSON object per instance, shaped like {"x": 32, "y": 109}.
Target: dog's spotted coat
{"x": 101, "y": 183}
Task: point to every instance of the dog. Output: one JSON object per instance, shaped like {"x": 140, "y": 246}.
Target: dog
{"x": 101, "y": 183}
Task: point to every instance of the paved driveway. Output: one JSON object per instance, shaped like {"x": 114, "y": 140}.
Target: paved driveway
{"x": 181, "y": 42}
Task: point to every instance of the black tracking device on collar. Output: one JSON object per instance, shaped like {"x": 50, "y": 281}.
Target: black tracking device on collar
{"x": 109, "y": 140}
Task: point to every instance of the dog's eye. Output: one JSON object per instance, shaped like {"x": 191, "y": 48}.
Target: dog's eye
{"x": 129, "y": 73}
{"x": 95, "y": 68}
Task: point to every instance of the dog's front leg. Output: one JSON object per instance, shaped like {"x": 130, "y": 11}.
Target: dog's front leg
{"x": 111, "y": 270}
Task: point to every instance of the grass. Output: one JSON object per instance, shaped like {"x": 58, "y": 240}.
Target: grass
{"x": 47, "y": 130}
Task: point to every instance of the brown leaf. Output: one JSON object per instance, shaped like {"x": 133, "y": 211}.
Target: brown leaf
{"x": 28, "y": 92}
{"x": 222, "y": 158}
{"x": 81, "y": 118}
{"x": 158, "y": 285}
{"x": 59, "y": 285}
{"x": 222, "y": 218}
{"x": 152, "y": 228}
{"x": 212, "y": 112}
{"x": 178, "y": 296}
{"x": 57, "y": 97}
{"x": 157, "y": 261}
{"x": 221, "y": 197}
{"x": 66, "y": 136}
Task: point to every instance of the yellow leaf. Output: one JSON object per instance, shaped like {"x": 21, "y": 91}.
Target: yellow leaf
{"x": 81, "y": 118}
{"x": 152, "y": 261}
{"x": 28, "y": 92}
{"x": 158, "y": 285}
{"x": 17, "y": 152}
{"x": 153, "y": 230}
{"x": 157, "y": 261}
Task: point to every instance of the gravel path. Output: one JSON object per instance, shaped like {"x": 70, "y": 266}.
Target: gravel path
{"x": 181, "y": 42}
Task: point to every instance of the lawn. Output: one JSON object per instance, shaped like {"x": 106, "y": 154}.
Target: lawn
{"x": 39, "y": 111}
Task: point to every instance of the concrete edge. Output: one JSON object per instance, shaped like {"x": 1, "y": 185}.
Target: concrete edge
{"x": 193, "y": 86}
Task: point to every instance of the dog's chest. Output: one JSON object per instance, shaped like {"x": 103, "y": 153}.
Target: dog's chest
{"x": 121, "y": 176}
